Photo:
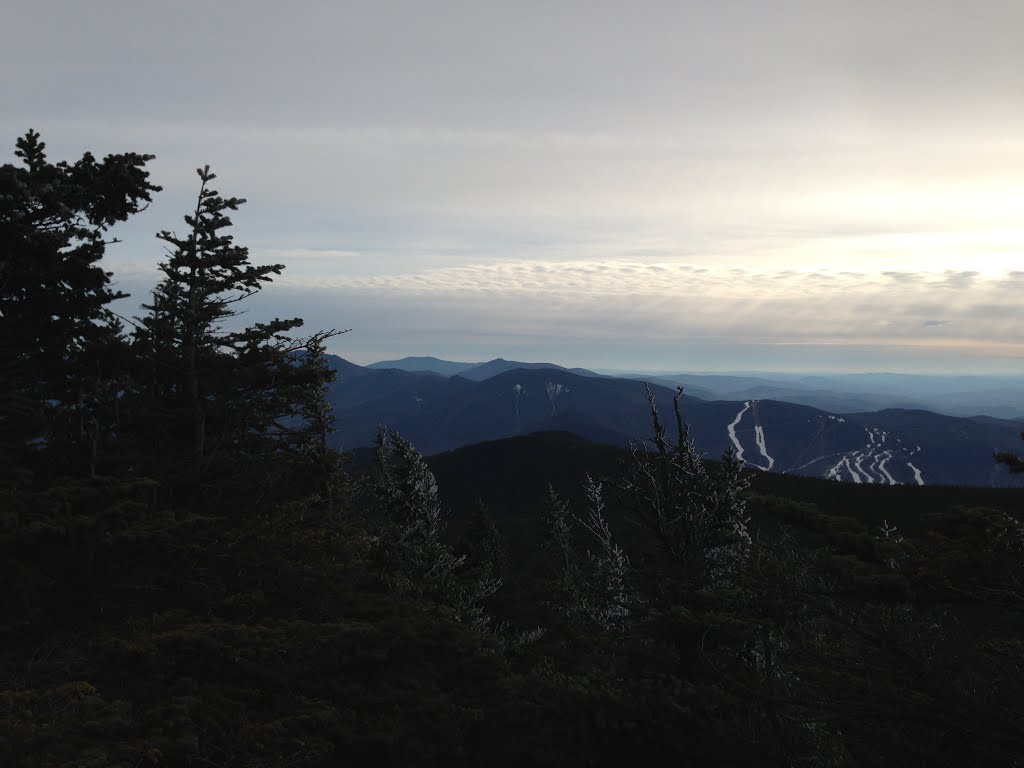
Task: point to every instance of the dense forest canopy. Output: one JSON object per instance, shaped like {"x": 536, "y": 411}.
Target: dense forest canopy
{"x": 193, "y": 576}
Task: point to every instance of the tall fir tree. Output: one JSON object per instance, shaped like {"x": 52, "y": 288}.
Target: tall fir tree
{"x": 307, "y": 433}
{"x": 698, "y": 514}
{"x": 1011, "y": 460}
{"x": 61, "y": 348}
{"x": 213, "y": 387}
{"x": 403, "y": 493}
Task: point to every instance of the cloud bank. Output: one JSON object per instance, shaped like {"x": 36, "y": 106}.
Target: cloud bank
{"x": 599, "y": 179}
{"x": 602, "y": 308}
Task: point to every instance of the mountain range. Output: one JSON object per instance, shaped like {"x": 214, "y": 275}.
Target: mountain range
{"x": 471, "y": 371}
{"x": 485, "y": 401}
{"x": 998, "y": 395}
{"x": 979, "y": 395}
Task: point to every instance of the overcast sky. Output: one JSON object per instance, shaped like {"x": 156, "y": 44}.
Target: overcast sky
{"x": 714, "y": 185}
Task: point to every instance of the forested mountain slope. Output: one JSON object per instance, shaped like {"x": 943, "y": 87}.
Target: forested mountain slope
{"x": 887, "y": 447}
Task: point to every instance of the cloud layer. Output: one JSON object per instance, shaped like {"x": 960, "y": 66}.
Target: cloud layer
{"x": 579, "y": 174}
{"x": 605, "y": 306}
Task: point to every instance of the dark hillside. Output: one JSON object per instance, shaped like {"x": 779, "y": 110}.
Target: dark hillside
{"x": 511, "y": 476}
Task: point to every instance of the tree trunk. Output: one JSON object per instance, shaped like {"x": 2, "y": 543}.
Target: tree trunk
{"x": 198, "y": 412}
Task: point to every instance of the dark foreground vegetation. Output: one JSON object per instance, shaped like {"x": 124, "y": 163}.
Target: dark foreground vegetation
{"x": 192, "y": 577}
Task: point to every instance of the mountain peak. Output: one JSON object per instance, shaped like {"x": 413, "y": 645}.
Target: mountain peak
{"x": 424, "y": 365}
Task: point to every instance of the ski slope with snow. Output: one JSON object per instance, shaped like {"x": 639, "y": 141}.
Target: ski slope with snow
{"x": 883, "y": 459}
{"x": 760, "y": 441}
{"x": 868, "y": 465}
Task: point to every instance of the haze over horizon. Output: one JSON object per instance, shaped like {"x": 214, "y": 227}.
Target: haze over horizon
{"x": 736, "y": 186}
{"x": 740, "y": 372}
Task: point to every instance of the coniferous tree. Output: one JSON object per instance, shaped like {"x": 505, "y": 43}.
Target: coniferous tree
{"x": 483, "y": 546}
{"x": 215, "y": 386}
{"x": 697, "y": 513}
{"x": 594, "y": 589}
{"x": 483, "y": 566}
{"x": 567, "y": 588}
{"x": 63, "y": 365}
{"x": 1011, "y": 460}
{"x": 611, "y": 598}
{"x": 405, "y": 494}
{"x": 312, "y": 420}
{"x": 61, "y": 353}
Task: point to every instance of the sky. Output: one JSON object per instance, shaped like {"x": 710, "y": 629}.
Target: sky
{"x": 694, "y": 186}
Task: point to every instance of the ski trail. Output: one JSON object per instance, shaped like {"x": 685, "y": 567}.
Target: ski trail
{"x": 917, "y": 472}
{"x": 877, "y": 439}
{"x": 857, "y": 459}
{"x": 762, "y": 447}
{"x": 873, "y": 466}
{"x": 759, "y": 439}
{"x": 884, "y": 471}
{"x": 815, "y": 461}
{"x": 732, "y": 430}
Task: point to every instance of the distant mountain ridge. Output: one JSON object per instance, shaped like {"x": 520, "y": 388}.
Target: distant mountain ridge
{"x": 998, "y": 396}
{"x": 498, "y": 366}
{"x": 471, "y": 371}
{"x": 887, "y": 447}
{"x": 424, "y": 365}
